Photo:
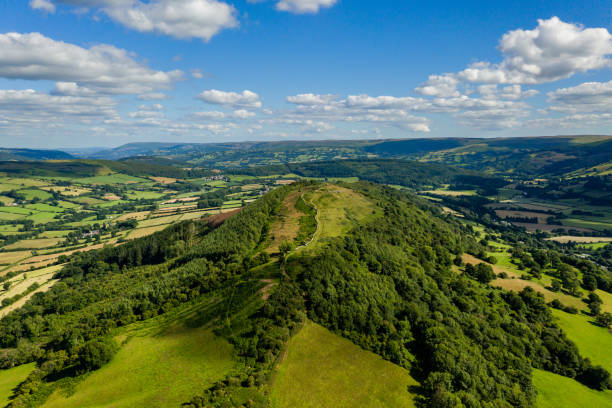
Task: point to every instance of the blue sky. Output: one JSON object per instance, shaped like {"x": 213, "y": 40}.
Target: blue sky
{"x": 77, "y": 73}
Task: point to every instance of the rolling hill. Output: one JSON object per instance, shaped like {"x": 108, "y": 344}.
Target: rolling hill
{"x": 316, "y": 294}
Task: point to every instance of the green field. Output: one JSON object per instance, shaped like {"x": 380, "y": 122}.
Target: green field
{"x": 322, "y": 369}
{"x": 153, "y": 370}
{"x": 11, "y": 378}
{"x": 593, "y": 342}
{"x": 110, "y": 179}
{"x": 35, "y": 193}
{"x": 555, "y": 391}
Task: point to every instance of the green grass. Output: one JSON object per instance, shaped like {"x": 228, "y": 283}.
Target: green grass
{"x": 340, "y": 209}
{"x": 573, "y": 222}
{"x": 161, "y": 369}
{"x": 606, "y": 299}
{"x": 322, "y": 369}
{"x": 555, "y": 391}
{"x": 147, "y": 195}
{"x": 11, "y": 378}
{"x": 110, "y": 179}
{"x": 593, "y": 342}
{"x": 35, "y": 193}
{"x": 17, "y": 210}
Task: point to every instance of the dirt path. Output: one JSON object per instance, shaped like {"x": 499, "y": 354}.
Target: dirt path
{"x": 287, "y": 226}
{"x": 265, "y": 291}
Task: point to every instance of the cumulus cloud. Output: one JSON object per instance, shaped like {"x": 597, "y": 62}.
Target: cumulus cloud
{"x": 387, "y": 110}
{"x": 44, "y": 5}
{"x": 101, "y": 68}
{"x": 553, "y": 50}
{"x": 178, "y": 18}
{"x": 39, "y": 108}
{"x": 304, "y": 6}
{"x": 586, "y": 97}
{"x": 311, "y": 99}
{"x": 246, "y": 99}
{"x": 440, "y": 85}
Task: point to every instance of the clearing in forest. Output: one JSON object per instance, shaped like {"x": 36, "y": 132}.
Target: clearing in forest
{"x": 322, "y": 369}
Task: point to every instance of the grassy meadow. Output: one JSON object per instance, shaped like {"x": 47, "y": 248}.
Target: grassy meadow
{"x": 161, "y": 369}
{"x": 321, "y": 369}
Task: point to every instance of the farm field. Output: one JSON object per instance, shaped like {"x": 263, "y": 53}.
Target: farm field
{"x": 162, "y": 367}
{"x": 321, "y": 369}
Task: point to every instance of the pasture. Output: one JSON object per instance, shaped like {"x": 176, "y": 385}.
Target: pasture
{"x": 321, "y": 369}
{"x": 556, "y": 391}
{"x": 162, "y": 368}
{"x": 593, "y": 341}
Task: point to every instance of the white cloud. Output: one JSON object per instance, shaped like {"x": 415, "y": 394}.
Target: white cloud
{"x": 178, "y": 18}
{"x": 586, "y": 97}
{"x": 553, "y": 50}
{"x": 439, "y": 85}
{"x": 153, "y": 96}
{"x": 304, "y": 6}
{"x": 577, "y": 121}
{"x": 38, "y": 108}
{"x": 387, "y": 110}
{"x": 311, "y": 99}
{"x": 208, "y": 115}
{"x": 243, "y": 114}
{"x": 384, "y": 102}
{"x": 197, "y": 73}
{"x": 101, "y": 68}
{"x": 44, "y": 5}
{"x": 246, "y": 99}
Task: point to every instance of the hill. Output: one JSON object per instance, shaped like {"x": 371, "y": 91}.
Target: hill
{"x": 371, "y": 266}
{"x": 32, "y": 154}
{"x": 518, "y": 156}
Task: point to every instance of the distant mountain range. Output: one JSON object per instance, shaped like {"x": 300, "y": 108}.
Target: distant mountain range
{"x": 33, "y": 154}
{"x": 555, "y": 155}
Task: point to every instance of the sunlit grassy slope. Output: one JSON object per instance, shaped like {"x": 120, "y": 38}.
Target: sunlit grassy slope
{"x": 11, "y": 378}
{"x": 154, "y": 370}
{"x": 555, "y": 391}
{"x": 321, "y": 369}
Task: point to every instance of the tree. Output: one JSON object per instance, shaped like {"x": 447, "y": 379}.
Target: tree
{"x": 595, "y": 308}
{"x": 96, "y": 353}
{"x": 6, "y": 285}
{"x": 555, "y": 286}
{"x": 604, "y": 320}
{"x": 285, "y": 247}
{"x": 596, "y": 377}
